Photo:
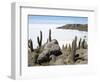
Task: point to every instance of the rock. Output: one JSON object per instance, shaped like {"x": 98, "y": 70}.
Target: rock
{"x": 43, "y": 57}
{"x": 82, "y": 58}
{"x": 50, "y": 48}
{"x": 81, "y": 62}
{"x": 53, "y": 48}
{"x": 32, "y": 58}
{"x": 52, "y": 59}
{"x": 58, "y": 60}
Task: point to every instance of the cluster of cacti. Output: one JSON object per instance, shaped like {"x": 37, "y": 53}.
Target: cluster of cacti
{"x": 82, "y": 44}
{"x": 70, "y": 52}
{"x": 74, "y": 47}
{"x": 30, "y": 45}
{"x": 63, "y": 47}
{"x": 39, "y": 40}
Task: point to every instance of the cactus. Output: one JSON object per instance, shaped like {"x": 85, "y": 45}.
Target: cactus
{"x": 47, "y": 41}
{"x": 30, "y": 45}
{"x": 84, "y": 44}
{"x": 69, "y": 48}
{"x": 74, "y": 47}
{"x": 39, "y": 40}
{"x": 76, "y": 41}
{"x": 63, "y": 47}
{"x": 66, "y": 46}
{"x": 79, "y": 45}
{"x": 49, "y": 35}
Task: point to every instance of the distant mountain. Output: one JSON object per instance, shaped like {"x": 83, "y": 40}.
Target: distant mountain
{"x": 80, "y": 27}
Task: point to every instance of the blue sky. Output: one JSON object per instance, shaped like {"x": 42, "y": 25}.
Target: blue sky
{"x": 34, "y": 19}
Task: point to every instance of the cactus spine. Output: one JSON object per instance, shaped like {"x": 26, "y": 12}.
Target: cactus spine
{"x": 39, "y": 40}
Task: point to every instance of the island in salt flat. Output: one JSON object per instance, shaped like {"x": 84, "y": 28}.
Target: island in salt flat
{"x": 80, "y": 27}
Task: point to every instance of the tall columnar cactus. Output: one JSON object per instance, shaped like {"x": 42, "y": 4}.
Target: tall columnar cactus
{"x": 66, "y": 46}
{"x": 30, "y": 45}
{"x": 84, "y": 44}
{"x": 76, "y": 41}
{"x": 79, "y": 44}
{"x": 39, "y": 40}
{"x": 69, "y": 48}
{"x": 74, "y": 47}
{"x": 63, "y": 47}
{"x": 49, "y": 35}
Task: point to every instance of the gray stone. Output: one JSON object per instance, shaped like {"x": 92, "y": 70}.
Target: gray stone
{"x": 50, "y": 48}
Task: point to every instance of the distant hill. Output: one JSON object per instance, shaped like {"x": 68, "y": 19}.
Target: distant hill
{"x": 80, "y": 27}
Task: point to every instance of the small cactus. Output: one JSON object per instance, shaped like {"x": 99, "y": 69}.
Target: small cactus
{"x": 66, "y": 46}
{"x": 39, "y": 40}
{"x": 49, "y": 35}
{"x": 69, "y": 48}
{"x": 79, "y": 45}
{"x": 84, "y": 44}
{"x": 63, "y": 47}
{"x": 30, "y": 45}
{"x": 76, "y": 41}
{"x": 74, "y": 47}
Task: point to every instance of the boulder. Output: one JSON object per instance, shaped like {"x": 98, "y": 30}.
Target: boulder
{"x": 50, "y": 48}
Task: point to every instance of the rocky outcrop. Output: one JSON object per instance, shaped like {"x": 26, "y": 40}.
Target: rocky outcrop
{"x": 50, "y": 53}
{"x": 80, "y": 27}
{"x": 50, "y": 48}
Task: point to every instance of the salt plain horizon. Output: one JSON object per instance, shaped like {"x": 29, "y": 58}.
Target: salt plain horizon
{"x": 63, "y": 36}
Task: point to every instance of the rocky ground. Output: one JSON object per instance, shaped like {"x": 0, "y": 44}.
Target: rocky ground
{"x": 51, "y": 54}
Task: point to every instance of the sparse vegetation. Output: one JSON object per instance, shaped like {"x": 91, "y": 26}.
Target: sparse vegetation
{"x": 50, "y": 52}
